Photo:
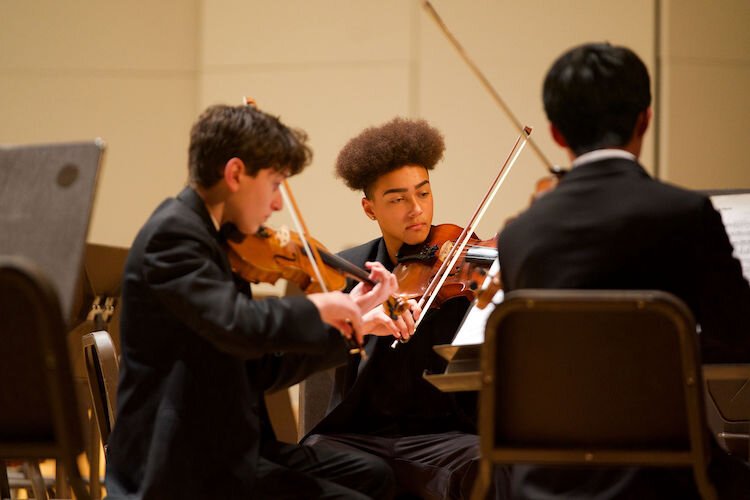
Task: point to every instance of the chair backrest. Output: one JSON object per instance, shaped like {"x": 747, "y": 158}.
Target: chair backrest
{"x": 102, "y": 372}
{"x": 593, "y": 377}
{"x": 38, "y": 405}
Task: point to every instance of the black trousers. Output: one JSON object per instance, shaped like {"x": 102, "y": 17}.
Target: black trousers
{"x": 303, "y": 472}
{"x": 428, "y": 466}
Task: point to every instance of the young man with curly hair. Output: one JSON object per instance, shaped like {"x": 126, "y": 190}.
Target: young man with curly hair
{"x": 198, "y": 352}
{"x": 383, "y": 406}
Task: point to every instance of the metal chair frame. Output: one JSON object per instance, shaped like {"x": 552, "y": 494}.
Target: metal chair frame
{"x": 596, "y": 328}
{"x": 31, "y": 309}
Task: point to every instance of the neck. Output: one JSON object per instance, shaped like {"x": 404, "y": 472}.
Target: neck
{"x": 633, "y": 147}
{"x": 392, "y": 245}
{"x": 214, "y": 202}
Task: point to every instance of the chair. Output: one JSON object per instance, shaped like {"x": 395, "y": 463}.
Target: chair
{"x": 38, "y": 405}
{"x": 102, "y": 371}
{"x": 565, "y": 371}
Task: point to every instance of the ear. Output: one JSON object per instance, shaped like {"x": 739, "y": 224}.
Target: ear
{"x": 557, "y": 136}
{"x": 367, "y": 207}
{"x": 641, "y": 124}
{"x": 233, "y": 170}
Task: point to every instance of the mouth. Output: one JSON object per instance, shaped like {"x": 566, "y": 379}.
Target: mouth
{"x": 416, "y": 227}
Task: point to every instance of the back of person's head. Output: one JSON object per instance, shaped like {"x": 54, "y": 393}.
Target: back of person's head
{"x": 382, "y": 149}
{"x": 594, "y": 93}
{"x": 257, "y": 138}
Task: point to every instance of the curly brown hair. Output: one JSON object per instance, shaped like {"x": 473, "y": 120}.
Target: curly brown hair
{"x": 259, "y": 139}
{"x": 379, "y": 150}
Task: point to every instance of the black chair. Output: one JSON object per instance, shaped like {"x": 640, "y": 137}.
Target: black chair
{"x": 38, "y": 405}
{"x": 564, "y": 372}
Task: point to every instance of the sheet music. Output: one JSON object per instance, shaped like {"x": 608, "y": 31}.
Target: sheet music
{"x": 735, "y": 212}
{"x": 471, "y": 330}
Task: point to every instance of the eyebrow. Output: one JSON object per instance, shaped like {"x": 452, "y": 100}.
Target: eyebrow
{"x": 403, "y": 190}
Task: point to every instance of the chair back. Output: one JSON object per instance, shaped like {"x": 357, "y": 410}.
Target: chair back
{"x": 38, "y": 404}
{"x": 102, "y": 372}
{"x": 593, "y": 377}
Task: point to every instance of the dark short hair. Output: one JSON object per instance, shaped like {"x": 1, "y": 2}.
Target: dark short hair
{"x": 594, "y": 93}
{"x": 379, "y": 150}
{"x": 257, "y": 138}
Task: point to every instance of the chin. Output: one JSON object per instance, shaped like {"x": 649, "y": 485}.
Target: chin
{"x": 248, "y": 229}
{"x": 416, "y": 238}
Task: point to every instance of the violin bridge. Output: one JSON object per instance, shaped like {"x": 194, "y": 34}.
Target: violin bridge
{"x": 283, "y": 236}
{"x": 445, "y": 250}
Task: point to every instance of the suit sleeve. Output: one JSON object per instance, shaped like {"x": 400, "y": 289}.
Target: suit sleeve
{"x": 185, "y": 274}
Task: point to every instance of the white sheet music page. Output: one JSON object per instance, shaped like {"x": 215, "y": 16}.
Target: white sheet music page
{"x": 735, "y": 213}
{"x": 471, "y": 330}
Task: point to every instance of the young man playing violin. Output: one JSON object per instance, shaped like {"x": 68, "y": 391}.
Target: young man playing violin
{"x": 198, "y": 352}
{"x": 382, "y": 405}
{"x": 609, "y": 225}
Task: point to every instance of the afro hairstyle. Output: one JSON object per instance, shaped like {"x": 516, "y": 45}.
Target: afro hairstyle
{"x": 379, "y": 150}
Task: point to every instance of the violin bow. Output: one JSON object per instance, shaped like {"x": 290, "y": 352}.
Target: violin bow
{"x": 297, "y": 220}
{"x": 311, "y": 250}
{"x": 314, "y": 255}
{"x": 485, "y": 82}
{"x": 299, "y": 223}
{"x": 428, "y": 297}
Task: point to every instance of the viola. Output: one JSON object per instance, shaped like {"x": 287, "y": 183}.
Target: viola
{"x": 547, "y": 183}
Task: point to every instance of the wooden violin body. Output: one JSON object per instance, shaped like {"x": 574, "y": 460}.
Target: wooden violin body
{"x": 269, "y": 255}
{"x": 418, "y": 264}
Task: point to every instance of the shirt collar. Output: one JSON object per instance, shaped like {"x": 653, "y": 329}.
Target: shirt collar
{"x": 213, "y": 219}
{"x": 602, "y": 154}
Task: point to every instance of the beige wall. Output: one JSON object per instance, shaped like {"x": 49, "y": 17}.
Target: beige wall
{"x": 137, "y": 74}
{"x": 706, "y": 107}
{"x": 123, "y": 71}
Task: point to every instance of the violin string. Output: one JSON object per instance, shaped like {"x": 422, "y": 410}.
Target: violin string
{"x": 444, "y": 268}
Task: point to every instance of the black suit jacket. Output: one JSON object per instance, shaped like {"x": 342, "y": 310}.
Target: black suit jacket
{"x": 608, "y": 224}
{"x": 197, "y": 356}
{"x": 386, "y": 394}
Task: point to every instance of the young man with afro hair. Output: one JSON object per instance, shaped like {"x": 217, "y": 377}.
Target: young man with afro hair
{"x": 382, "y": 405}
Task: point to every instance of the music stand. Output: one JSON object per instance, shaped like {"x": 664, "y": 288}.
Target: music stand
{"x": 46, "y": 198}
{"x": 99, "y": 284}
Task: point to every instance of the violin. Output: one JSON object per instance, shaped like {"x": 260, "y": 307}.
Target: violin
{"x": 454, "y": 251}
{"x": 269, "y": 255}
{"x": 418, "y": 264}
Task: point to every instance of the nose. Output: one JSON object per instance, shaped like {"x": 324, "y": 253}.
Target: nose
{"x": 276, "y": 202}
{"x": 415, "y": 208}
